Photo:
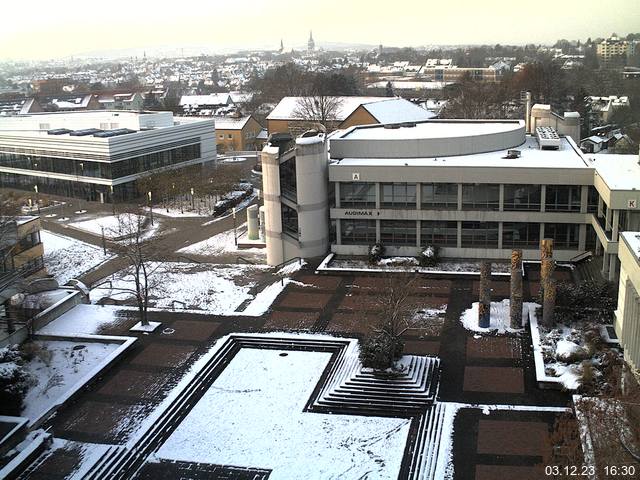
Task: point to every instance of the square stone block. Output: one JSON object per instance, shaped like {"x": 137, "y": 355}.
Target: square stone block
{"x": 493, "y": 379}
{"x": 494, "y": 347}
{"x": 499, "y": 437}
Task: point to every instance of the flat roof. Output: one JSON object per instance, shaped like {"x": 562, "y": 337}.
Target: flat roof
{"x": 619, "y": 172}
{"x": 430, "y": 130}
{"x": 531, "y": 157}
{"x": 633, "y": 240}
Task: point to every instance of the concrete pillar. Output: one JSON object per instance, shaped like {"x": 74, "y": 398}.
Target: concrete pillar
{"x": 484, "y": 305}
{"x": 543, "y": 198}
{"x": 459, "y": 232}
{"x": 418, "y": 197}
{"x": 549, "y": 303}
{"x": 598, "y": 247}
{"x": 253, "y": 222}
{"x": 582, "y": 237}
{"x": 338, "y": 232}
{"x": 584, "y": 198}
{"x": 613, "y": 267}
{"x": 615, "y": 221}
{"x": 600, "y": 206}
{"x": 337, "y": 193}
{"x": 378, "y": 195}
{"x": 515, "y": 299}
{"x": 273, "y": 209}
{"x": 378, "y": 236}
{"x": 501, "y": 198}
{"x": 261, "y": 216}
{"x": 459, "y": 196}
{"x": 605, "y": 264}
{"x": 608, "y": 220}
{"x": 500, "y": 230}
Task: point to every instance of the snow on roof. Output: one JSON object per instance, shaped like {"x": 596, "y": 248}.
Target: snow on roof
{"x": 633, "y": 239}
{"x": 531, "y": 157}
{"x": 230, "y": 123}
{"x": 211, "y": 99}
{"x": 619, "y": 172}
{"x": 594, "y": 139}
{"x": 285, "y": 110}
{"x": 397, "y": 110}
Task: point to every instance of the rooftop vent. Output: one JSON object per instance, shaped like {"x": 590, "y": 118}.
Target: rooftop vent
{"x": 114, "y": 133}
{"x": 85, "y": 132}
{"x": 511, "y": 154}
{"x": 408, "y": 124}
{"x": 548, "y": 138}
{"x": 392, "y": 126}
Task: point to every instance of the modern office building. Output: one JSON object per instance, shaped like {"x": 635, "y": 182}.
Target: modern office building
{"x": 627, "y": 322}
{"x": 21, "y": 250}
{"x": 98, "y": 155}
{"x": 476, "y": 189}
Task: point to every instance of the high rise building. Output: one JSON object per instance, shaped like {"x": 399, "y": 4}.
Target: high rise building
{"x": 311, "y": 45}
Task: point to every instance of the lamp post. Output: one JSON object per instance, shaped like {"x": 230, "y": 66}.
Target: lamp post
{"x": 150, "y": 206}
{"x": 104, "y": 243}
{"x": 235, "y": 237}
{"x": 113, "y": 200}
{"x": 35, "y": 187}
{"x": 193, "y": 206}
{"x": 81, "y": 164}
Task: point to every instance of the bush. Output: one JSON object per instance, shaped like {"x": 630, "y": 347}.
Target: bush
{"x": 14, "y": 381}
{"x": 376, "y": 252}
{"x": 428, "y": 256}
{"x": 381, "y": 351}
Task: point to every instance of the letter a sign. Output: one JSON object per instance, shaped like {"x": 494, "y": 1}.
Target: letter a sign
{"x": 355, "y": 177}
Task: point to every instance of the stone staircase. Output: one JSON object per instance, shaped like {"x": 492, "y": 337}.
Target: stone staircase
{"x": 426, "y": 451}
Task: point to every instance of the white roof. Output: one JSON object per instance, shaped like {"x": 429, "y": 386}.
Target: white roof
{"x": 633, "y": 239}
{"x": 619, "y": 172}
{"x": 285, "y": 110}
{"x": 435, "y": 129}
{"x": 230, "y": 123}
{"x": 531, "y": 157}
{"x": 212, "y": 99}
{"x": 397, "y": 110}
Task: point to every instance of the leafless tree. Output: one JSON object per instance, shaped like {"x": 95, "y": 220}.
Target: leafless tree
{"x": 318, "y": 109}
{"x": 142, "y": 257}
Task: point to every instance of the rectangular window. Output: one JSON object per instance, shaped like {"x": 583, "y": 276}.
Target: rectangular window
{"x": 563, "y": 198}
{"x": 440, "y": 234}
{"x": 288, "y": 181}
{"x": 398, "y": 232}
{"x": 358, "y": 195}
{"x": 358, "y": 232}
{"x": 480, "y": 234}
{"x": 522, "y": 197}
{"x": 289, "y": 220}
{"x": 399, "y": 195}
{"x": 439, "y": 196}
{"x": 564, "y": 235}
{"x": 520, "y": 235}
{"x": 592, "y": 200}
{"x": 480, "y": 196}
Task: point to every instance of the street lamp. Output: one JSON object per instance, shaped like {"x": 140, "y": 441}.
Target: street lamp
{"x": 235, "y": 237}
{"x": 35, "y": 187}
{"x": 193, "y": 206}
{"x": 81, "y": 164}
{"x": 113, "y": 201}
{"x": 150, "y": 206}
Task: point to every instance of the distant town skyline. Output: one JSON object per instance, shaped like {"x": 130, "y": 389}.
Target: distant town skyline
{"x": 43, "y": 30}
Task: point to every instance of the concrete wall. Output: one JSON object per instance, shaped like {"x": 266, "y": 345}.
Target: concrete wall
{"x": 627, "y": 317}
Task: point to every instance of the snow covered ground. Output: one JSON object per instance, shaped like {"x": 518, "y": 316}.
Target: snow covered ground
{"x": 115, "y": 225}
{"x": 217, "y": 289}
{"x": 410, "y": 264}
{"x": 222, "y": 244}
{"x": 57, "y": 367}
{"x": 82, "y": 319}
{"x": 259, "y": 400}
{"x": 67, "y": 258}
{"x": 499, "y": 316}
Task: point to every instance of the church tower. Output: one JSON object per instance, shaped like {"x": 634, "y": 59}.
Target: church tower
{"x": 311, "y": 45}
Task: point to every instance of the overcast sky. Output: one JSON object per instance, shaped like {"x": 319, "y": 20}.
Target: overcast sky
{"x": 40, "y": 29}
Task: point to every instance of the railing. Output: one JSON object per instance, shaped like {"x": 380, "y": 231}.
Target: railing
{"x": 240, "y": 259}
{"x": 285, "y": 263}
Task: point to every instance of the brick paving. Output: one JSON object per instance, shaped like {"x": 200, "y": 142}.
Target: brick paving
{"x": 499, "y": 437}
{"x": 192, "y": 330}
{"x": 494, "y": 347}
{"x": 279, "y": 320}
{"x": 493, "y": 379}
{"x": 509, "y": 472}
{"x": 134, "y": 384}
{"x": 157, "y": 355}
{"x": 305, "y": 300}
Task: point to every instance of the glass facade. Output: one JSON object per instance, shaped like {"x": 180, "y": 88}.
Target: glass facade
{"x": 288, "y": 181}
{"x": 522, "y": 197}
{"x": 563, "y": 198}
{"x": 565, "y": 235}
{"x": 289, "y": 220}
{"x": 398, "y": 232}
{"x": 358, "y": 195}
{"x": 399, "y": 195}
{"x": 105, "y": 169}
{"x": 480, "y": 234}
{"x": 520, "y": 235}
{"x": 440, "y": 234}
{"x": 439, "y": 196}
{"x": 476, "y": 196}
{"x": 358, "y": 232}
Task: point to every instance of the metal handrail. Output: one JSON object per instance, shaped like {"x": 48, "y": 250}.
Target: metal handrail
{"x": 245, "y": 260}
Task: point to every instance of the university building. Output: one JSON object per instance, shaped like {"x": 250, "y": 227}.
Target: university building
{"x": 476, "y": 189}
{"x": 98, "y": 155}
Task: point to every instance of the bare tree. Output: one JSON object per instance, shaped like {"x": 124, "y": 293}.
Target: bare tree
{"x": 384, "y": 346}
{"x": 142, "y": 257}
{"x": 318, "y": 109}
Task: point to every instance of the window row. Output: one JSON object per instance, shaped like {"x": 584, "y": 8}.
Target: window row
{"x": 445, "y": 233}
{"x": 444, "y": 196}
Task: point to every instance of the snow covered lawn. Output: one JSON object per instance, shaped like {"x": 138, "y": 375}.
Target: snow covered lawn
{"x": 221, "y": 244}
{"x": 258, "y": 403}
{"x": 114, "y": 225}
{"x": 217, "y": 289}
{"x": 57, "y": 367}
{"x": 82, "y": 319}
{"x": 499, "y": 316}
{"x": 67, "y": 258}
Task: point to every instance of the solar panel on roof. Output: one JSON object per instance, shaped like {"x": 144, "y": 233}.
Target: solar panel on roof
{"x": 84, "y": 132}
{"x": 58, "y": 131}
